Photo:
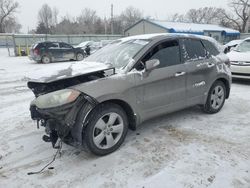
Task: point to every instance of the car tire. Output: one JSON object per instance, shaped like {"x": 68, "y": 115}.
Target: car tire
{"x": 216, "y": 98}
{"x": 46, "y": 59}
{"x": 106, "y": 129}
{"x": 79, "y": 56}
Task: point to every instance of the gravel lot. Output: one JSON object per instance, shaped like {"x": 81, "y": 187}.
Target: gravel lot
{"x": 184, "y": 149}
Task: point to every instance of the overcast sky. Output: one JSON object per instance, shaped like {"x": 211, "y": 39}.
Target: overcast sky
{"x": 159, "y": 9}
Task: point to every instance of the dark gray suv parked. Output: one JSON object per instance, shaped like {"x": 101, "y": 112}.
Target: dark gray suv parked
{"x": 93, "y": 103}
{"x": 46, "y": 52}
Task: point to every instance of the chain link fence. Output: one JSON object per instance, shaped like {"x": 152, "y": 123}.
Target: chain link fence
{"x": 6, "y": 41}
{"x": 18, "y": 44}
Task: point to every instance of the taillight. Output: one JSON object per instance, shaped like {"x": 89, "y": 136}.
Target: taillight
{"x": 36, "y": 52}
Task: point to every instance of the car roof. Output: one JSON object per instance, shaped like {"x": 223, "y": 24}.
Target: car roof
{"x": 162, "y": 36}
{"x": 165, "y": 35}
{"x": 51, "y": 42}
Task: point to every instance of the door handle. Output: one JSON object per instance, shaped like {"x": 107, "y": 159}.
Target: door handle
{"x": 179, "y": 74}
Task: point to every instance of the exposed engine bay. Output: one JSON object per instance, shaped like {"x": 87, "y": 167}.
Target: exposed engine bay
{"x": 41, "y": 88}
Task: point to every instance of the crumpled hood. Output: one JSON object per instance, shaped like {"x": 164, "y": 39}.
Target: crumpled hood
{"x": 239, "y": 56}
{"x": 58, "y": 77}
{"x": 75, "y": 69}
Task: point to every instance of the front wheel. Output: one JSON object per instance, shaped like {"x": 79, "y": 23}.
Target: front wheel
{"x": 216, "y": 98}
{"x": 106, "y": 130}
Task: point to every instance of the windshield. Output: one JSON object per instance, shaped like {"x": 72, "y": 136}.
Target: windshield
{"x": 119, "y": 53}
{"x": 244, "y": 46}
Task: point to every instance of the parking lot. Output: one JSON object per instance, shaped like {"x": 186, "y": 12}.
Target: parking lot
{"x": 183, "y": 149}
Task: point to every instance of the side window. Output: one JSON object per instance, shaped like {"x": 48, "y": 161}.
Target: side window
{"x": 64, "y": 45}
{"x": 52, "y": 45}
{"x": 193, "y": 50}
{"x": 211, "y": 49}
{"x": 168, "y": 53}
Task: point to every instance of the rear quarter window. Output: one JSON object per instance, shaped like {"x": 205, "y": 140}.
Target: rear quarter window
{"x": 38, "y": 45}
{"x": 210, "y": 48}
{"x": 193, "y": 49}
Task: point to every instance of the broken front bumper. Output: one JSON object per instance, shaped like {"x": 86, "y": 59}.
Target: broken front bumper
{"x": 60, "y": 122}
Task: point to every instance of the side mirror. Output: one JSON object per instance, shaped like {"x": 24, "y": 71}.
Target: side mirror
{"x": 151, "y": 64}
{"x": 226, "y": 50}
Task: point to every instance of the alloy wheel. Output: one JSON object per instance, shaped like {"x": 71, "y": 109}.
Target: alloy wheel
{"x": 108, "y": 130}
{"x": 217, "y": 97}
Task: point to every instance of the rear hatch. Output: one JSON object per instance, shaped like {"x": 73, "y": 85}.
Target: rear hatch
{"x": 36, "y": 49}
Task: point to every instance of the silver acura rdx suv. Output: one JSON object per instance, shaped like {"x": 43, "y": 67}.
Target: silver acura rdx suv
{"x": 92, "y": 104}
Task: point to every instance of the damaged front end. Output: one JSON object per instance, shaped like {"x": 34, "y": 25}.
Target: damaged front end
{"x": 57, "y": 105}
{"x": 60, "y": 120}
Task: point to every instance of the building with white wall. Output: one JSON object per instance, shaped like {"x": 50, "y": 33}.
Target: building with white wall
{"x": 221, "y": 34}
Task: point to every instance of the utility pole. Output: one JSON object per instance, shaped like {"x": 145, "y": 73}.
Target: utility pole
{"x": 112, "y": 19}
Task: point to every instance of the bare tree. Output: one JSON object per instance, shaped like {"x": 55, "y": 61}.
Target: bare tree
{"x": 11, "y": 25}
{"x": 176, "y": 18}
{"x": 230, "y": 20}
{"x": 209, "y": 15}
{"x": 87, "y": 20}
{"x": 99, "y": 26}
{"x": 55, "y": 13}
{"x": 241, "y": 10}
{"x": 129, "y": 16}
{"x": 7, "y": 10}
{"x": 68, "y": 25}
{"x": 205, "y": 15}
{"x": 45, "y": 17}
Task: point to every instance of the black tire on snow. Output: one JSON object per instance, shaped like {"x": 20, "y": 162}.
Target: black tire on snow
{"x": 93, "y": 117}
{"x": 207, "y": 108}
{"x": 44, "y": 59}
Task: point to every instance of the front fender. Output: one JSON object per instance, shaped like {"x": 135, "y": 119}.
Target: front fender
{"x": 116, "y": 87}
{"x": 119, "y": 86}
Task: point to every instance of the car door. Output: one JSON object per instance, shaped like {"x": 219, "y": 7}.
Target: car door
{"x": 67, "y": 51}
{"x": 54, "y": 51}
{"x": 199, "y": 65}
{"x": 163, "y": 89}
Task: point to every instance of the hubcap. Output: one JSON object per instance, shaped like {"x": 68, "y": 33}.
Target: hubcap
{"x": 46, "y": 59}
{"x": 217, "y": 97}
{"x": 108, "y": 130}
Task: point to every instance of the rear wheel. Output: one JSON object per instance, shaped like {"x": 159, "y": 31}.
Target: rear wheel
{"x": 46, "y": 59}
{"x": 216, "y": 98}
{"x": 79, "y": 57}
{"x": 106, "y": 130}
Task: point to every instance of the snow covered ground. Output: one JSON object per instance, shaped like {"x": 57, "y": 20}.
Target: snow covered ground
{"x": 184, "y": 149}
